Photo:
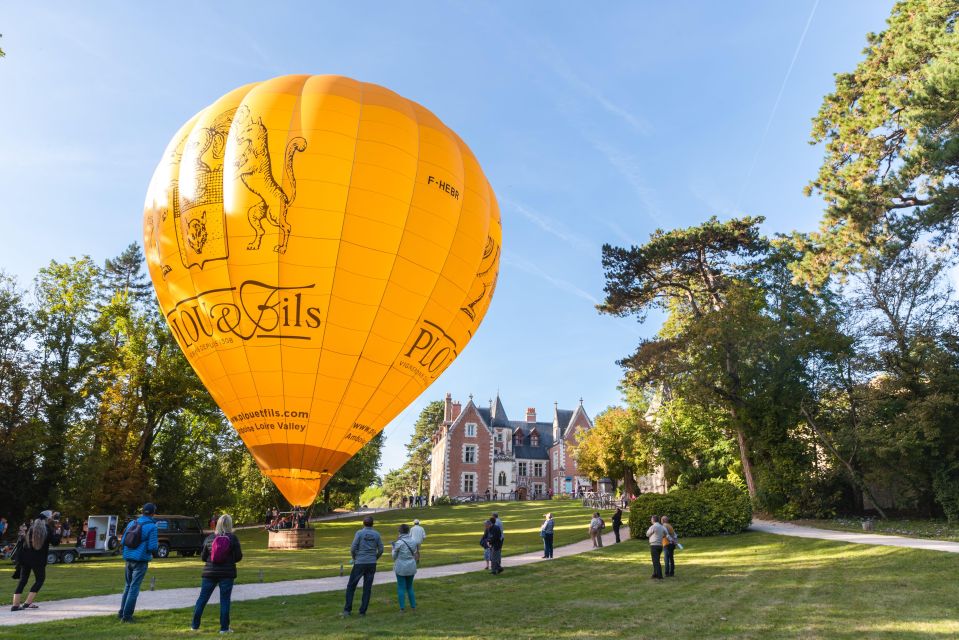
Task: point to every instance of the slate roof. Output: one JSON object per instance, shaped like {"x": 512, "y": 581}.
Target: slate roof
{"x": 563, "y": 416}
{"x": 499, "y": 414}
{"x": 495, "y": 416}
{"x": 525, "y": 450}
{"x": 485, "y": 415}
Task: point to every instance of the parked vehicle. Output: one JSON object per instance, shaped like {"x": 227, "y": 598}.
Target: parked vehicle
{"x": 100, "y": 540}
{"x": 183, "y": 534}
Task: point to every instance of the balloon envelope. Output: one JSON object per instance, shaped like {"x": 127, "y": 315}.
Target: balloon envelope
{"x": 322, "y": 249}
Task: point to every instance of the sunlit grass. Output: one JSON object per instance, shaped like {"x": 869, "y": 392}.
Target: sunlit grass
{"x": 751, "y": 586}
{"x": 453, "y": 534}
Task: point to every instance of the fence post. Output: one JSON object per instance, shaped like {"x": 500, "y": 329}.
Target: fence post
{"x": 153, "y": 583}
{"x": 341, "y": 569}
{"x": 261, "y": 575}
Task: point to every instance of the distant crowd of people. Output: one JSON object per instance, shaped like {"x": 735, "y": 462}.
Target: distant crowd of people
{"x": 222, "y": 551}
{"x": 296, "y": 519}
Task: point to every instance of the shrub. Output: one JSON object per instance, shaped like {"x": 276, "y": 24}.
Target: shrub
{"x": 712, "y": 508}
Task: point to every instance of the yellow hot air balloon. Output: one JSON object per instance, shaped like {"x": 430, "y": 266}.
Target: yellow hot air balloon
{"x": 322, "y": 249}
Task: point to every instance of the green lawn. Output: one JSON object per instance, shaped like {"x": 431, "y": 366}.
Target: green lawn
{"x": 926, "y": 528}
{"x": 453, "y": 534}
{"x": 751, "y": 585}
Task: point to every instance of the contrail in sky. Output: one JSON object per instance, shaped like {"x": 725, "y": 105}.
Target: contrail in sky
{"x": 772, "y": 114}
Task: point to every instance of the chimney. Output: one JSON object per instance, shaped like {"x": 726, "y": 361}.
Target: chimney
{"x": 531, "y": 414}
{"x": 448, "y": 408}
{"x": 457, "y": 409}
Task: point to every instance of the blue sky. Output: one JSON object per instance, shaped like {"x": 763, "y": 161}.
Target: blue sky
{"x": 592, "y": 125}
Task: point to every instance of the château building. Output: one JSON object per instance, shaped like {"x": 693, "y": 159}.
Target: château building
{"x": 479, "y": 451}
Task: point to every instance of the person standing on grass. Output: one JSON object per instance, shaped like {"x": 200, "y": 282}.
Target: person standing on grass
{"x": 418, "y": 533}
{"x": 596, "y": 530}
{"x": 405, "y": 556}
{"x": 656, "y": 533}
{"x": 669, "y": 548}
{"x": 366, "y": 549}
{"x": 33, "y": 558}
{"x": 546, "y": 531}
{"x": 139, "y": 542}
{"x": 499, "y": 523}
{"x": 617, "y": 523}
{"x": 484, "y": 542}
{"x": 496, "y": 547}
{"x": 221, "y": 551}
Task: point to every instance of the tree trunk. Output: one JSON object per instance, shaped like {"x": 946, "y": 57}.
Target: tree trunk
{"x": 747, "y": 465}
{"x": 744, "y": 454}
{"x": 856, "y": 479}
{"x": 629, "y": 483}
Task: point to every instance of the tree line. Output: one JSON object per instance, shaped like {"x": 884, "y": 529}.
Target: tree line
{"x": 820, "y": 370}
{"x": 100, "y": 411}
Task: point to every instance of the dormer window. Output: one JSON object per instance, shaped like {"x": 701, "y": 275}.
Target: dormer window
{"x": 534, "y": 440}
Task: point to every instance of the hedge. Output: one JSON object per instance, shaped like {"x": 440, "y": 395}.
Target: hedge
{"x": 709, "y": 509}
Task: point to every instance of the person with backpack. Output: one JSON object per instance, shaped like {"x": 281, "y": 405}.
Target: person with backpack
{"x": 406, "y": 553}
{"x": 32, "y": 557}
{"x": 366, "y": 549}
{"x": 669, "y": 548}
{"x": 484, "y": 542}
{"x": 596, "y": 530}
{"x": 546, "y": 533}
{"x": 496, "y": 547}
{"x": 221, "y": 552}
{"x": 139, "y": 542}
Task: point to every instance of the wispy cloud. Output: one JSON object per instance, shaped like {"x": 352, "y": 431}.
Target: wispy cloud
{"x": 554, "y": 60}
{"x": 553, "y": 227}
{"x": 628, "y": 166}
{"x": 513, "y": 260}
{"x": 542, "y": 49}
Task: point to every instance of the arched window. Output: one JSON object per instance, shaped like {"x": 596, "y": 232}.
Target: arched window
{"x": 502, "y": 479}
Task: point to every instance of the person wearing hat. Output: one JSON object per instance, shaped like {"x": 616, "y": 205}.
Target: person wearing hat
{"x": 418, "y": 533}
{"x": 139, "y": 542}
{"x": 546, "y": 531}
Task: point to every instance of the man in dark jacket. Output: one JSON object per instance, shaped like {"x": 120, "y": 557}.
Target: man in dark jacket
{"x": 366, "y": 549}
{"x": 137, "y": 560}
{"x": 495, "y": 547}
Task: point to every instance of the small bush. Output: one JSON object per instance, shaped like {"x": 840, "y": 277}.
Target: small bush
{"x": 709, "y": 509}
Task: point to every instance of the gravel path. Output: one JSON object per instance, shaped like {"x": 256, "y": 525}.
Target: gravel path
{"x": 786, "y": 529}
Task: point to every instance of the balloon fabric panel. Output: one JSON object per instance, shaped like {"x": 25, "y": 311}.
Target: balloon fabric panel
{"x": 322, "y": 249}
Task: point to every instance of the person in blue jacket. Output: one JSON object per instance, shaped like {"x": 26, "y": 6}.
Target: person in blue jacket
{"x": 137, "y": 560}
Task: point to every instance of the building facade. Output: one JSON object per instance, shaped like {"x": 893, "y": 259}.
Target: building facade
{"x": 480, "y": 452}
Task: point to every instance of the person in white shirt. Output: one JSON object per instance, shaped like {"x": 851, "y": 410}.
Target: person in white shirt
{"x": 418, "y": 533}
{"x": 656, "y": 533}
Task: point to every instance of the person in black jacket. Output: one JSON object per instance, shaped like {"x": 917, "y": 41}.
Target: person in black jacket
{"x": 496, "y": 547}
{"x": 218, "y": 573}
{"x": 33, "y": 557}
{"x": 617, "y": 522}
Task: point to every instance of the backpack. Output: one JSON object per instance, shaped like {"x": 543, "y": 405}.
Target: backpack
{"x": 220, "y": 549}
{"x": 133, "y": 537}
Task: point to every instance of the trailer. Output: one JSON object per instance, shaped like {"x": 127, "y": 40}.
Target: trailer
{"x": 100, "y": 540}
